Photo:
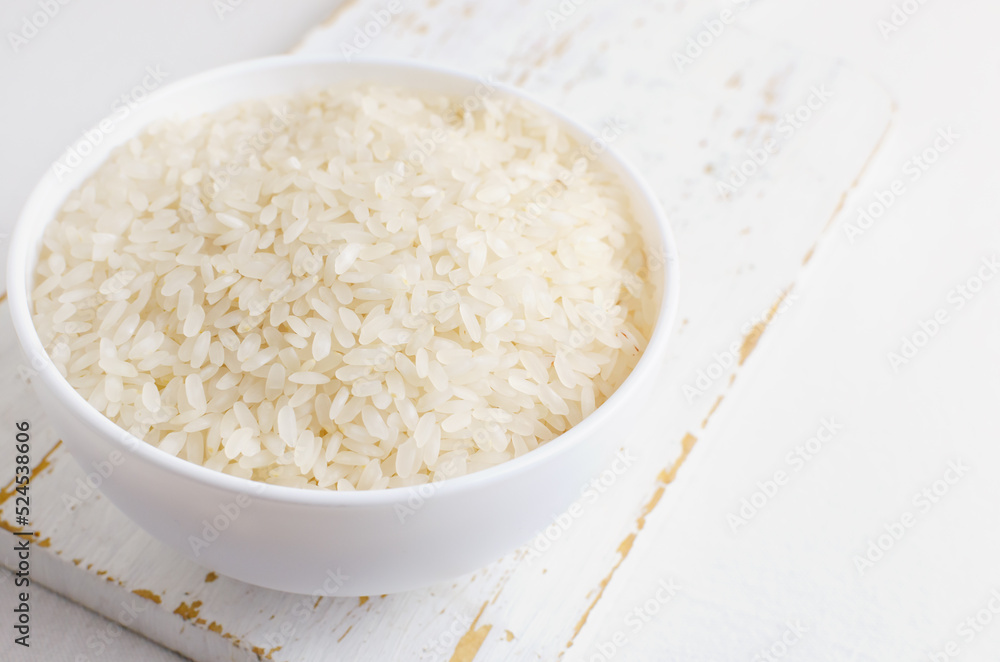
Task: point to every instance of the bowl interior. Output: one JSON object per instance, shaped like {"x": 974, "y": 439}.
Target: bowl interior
{"x": 286, "y": 75}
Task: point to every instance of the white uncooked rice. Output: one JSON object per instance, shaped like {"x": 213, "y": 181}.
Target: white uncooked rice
{"x": 348, "y": 289}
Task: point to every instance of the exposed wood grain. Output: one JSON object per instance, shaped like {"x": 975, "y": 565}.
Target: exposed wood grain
{"x": 665, "y": 477}
{"x": 708, "y": 416}
{"x": 470, "y": 643}
{"x": 753, "y": 337}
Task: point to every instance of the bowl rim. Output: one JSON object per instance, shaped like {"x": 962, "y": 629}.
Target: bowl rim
{"x": 26, "y": 232}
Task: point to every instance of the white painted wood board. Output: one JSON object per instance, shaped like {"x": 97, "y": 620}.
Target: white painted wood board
{"x": 739, "y": 257}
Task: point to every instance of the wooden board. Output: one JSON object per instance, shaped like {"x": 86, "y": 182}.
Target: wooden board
{"x": 742, "y": 254}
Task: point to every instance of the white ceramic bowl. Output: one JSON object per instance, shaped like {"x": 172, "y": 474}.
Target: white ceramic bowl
{"x": 328, "y": 542}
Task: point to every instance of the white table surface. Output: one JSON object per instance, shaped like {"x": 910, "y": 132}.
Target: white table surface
{"x": 901, "y": 429}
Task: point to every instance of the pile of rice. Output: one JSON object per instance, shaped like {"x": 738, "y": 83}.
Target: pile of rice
{"x": 348, "y": 289}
